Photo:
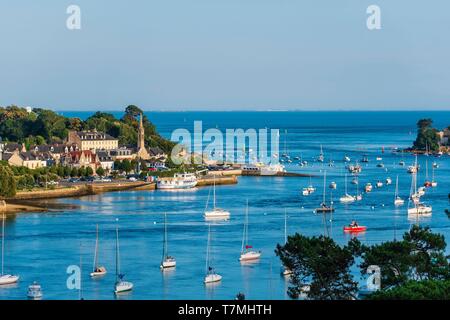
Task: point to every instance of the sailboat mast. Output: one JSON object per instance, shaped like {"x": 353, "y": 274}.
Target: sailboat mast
{"x": 3, "y": 241}
{"x": 214, "y": 192}
{"x": 324, "y": 185}
{"x": 165, "y": 237}
{"x": 285, "y": 226}
{"x": 396, "y": 188}
{"x": 117, "y": 253}
{"x": 96, "y": 250}
{"x": 207, "y": 248}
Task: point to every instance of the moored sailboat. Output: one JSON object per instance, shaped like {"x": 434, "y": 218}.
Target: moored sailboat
{"x": 211, "y": 275}
{"x": 167, "y": 260}
{"x": 120, "y": 286}
{"x": 6, "y": 279}
{"x": 324, "y": 208}
{"x": 397, "y": 200}
{"x": 216, "y": 213}
{"x": 247, "y": 252}
{"x": 97, "y": 270}
{"x": 346, "y": 198}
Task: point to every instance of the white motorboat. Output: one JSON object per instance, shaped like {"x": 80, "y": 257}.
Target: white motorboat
{"x": 247, "y": 252}
{"x": 35, "y": 291}
{"x": 97, "y": 270}
{"x": 368, "y": 187}
{"x": 167, "y": 260}
{"x": 216, "y": 213}
{"x": 211, "y": 275}
{"x": 347, "y": 159}
{"x": 379, "y": 184}
{"x": 6, "y": 279}
{"x": 388, "y": 181}
{"x": 120, "y": 286}
{"x": 178, "y": 181}
{"x": 333, "y": 185}
{"x": 273, "y": 169}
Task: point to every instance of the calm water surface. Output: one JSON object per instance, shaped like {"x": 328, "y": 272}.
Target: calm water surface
{"x": 40, "y": 246}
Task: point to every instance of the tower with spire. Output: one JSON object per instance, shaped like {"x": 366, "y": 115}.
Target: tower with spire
{"x": 142, "y": 152}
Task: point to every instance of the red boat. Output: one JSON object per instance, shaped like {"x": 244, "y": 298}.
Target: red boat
{"x": 354, "y": 228}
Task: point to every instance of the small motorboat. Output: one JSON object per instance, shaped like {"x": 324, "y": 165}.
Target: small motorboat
{"x": 365, "y": 159}
{"x": 427, "y": 184}
{"x": 324, "y": 208}
{"x": 34, "y": 291}
{"x": 379, "y": 184}
{"x": 435, "y": 165}
{"x": 388, "y": 181}
{"x": 379, "y": 158}
{"x": 346, "y": 159}
{"x": 354, "y": 227}
{"x": 380, "y": 165}
{"x": 355, "y": 181}
{"x": 333, "y": 185}
{"x": 368, "y": 187}
{"x": 401, "y": 163}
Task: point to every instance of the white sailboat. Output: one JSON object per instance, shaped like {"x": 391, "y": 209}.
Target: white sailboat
{"x": 120, "y": 285}
{"x": 247, "y": 252}
{"x": 167, "y": 260}
{"x": 346, "y": 198}
{"x": 97, "y": 270}
{"x": 321, "y": 157}
{"x": 6, "y": 279}
{"x": 419, "y": 209}
{"x": 324, "y": 208}
{"x": 211, "y": 275}
{"x": 216, "y": 213}
{"x": 397, "y": 200}
{"x": 358, "y": 196}
{"x": 433, "y": 182}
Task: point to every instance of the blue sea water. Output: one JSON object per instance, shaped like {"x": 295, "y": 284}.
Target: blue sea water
{"x": 40, "y": 246}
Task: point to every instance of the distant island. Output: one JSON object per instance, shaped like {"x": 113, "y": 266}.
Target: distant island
{"x": 430, "y": 139}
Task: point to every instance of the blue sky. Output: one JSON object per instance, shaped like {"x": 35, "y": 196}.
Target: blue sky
{"x": 226, "y": 55}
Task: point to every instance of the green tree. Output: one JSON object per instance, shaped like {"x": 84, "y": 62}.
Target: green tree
{"x": 7, "y": 182}
{"x": 320, "y": 263}
{"x": 415, "y": 290}
{"x": 74, "y": 172}
{"x": 126, "y": 166}
{"x": 100, "y": 171}
{"x": 89, "y": 171}
{"x": 426, "y": 136}
{"x": 82, "y": 172}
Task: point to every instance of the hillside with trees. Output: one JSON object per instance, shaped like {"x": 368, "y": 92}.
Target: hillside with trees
{"x": 426, "y": 136}
{"x": 42, "y": 126}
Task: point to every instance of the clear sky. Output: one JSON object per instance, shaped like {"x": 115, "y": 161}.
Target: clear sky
{"x": 225, "y": 55}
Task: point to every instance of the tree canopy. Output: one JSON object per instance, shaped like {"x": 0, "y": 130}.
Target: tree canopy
{"x": 45, "y": 126}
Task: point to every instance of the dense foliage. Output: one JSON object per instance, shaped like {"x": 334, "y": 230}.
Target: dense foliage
{"x": 426, "y": 136}
{"x": 7, "y": 182}
{"x": 416, "y": 290}
{"x": 45, "y": 126}
{"x": 417, "y": 262}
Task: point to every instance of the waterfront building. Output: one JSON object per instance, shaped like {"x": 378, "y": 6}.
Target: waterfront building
{"x": 92, "y": 140}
